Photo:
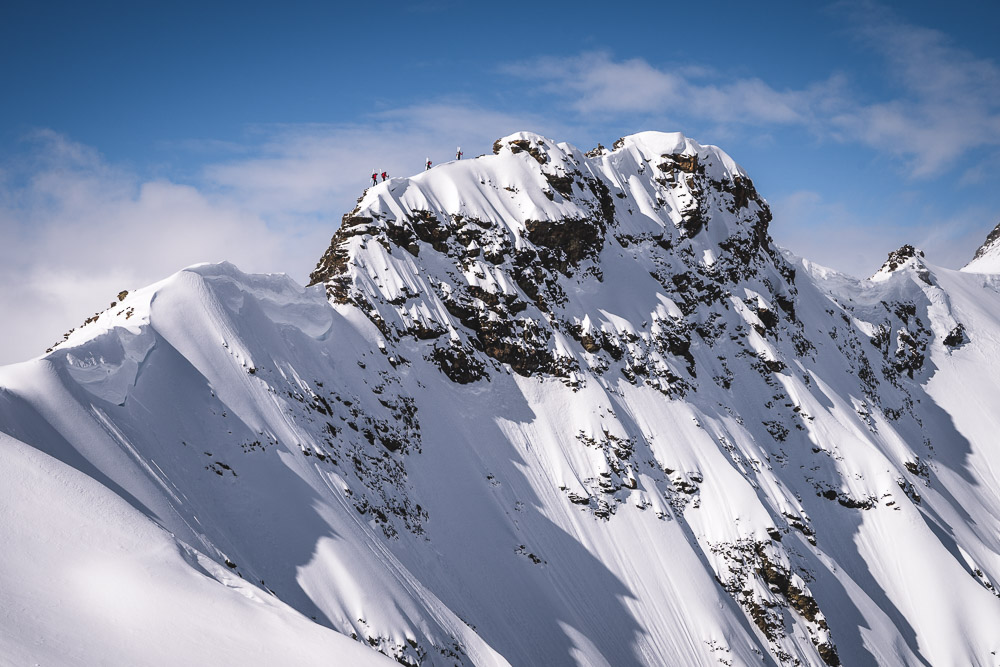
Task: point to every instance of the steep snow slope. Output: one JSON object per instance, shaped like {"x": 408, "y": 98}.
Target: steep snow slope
{"x": 548, "y": 407}
{"x": 87, "y": 580}
{"x": 987, "y": 257}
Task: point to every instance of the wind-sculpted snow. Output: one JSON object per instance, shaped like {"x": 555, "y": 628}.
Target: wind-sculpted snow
{"x": 87, "y": 580}
{"x": 554, "y": 407}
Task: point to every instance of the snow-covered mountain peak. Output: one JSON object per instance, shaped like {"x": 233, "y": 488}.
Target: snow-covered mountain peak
{"x": 540, "y": 148}
{"x": 688, "y": 154}
{"x": 987, "y": 257}
{"x": 548, "y": 259}
{"x": 538, "y": 407}
{"x": 906, "y": 256}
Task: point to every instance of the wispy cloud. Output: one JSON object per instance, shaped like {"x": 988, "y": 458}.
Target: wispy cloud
{"x": 76, "y": 229}
{"x": 834, "y": 234}
{"x": 949, "y": 99}
{"x": 943, "y": 105}
{"x": 320, "y": 167}
{"x": 597, "y": 83}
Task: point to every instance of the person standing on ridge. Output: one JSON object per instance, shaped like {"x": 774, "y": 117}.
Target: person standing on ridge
{"x": 428, "y": 165}
{"x": 458, "y": 153}
{"x": 384, "y": 176}
{"x": 374, "y": 177}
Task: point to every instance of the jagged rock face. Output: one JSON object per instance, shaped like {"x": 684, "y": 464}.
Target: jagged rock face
{"x": 898, "y": 257}
{"x": 650, "y": 264}
{"x": 553, "y": 407}
{"x": 681, "y": 221}
{"x": 905, "y": 256}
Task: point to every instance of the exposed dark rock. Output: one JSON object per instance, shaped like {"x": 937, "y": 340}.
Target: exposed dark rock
{"x": 686, "y": 163}
{"x": 430, "y": 230}
{"x": 899, "y": 257}
{"x": 457, "y": 363}
{"x": 522, "y": 344}
{"x": 607, "y": 204}
{"x": 787, "y": 305}
{"x": 910, "y": 352}
{"x": 799, "y": 525}
{"x": 518, "y": 145}
{"x": 743, "y": 192}
{"x": 991, "y": 240}
{"x": 956, "y": 337}
{"x": 332, "y": 266}
{"x": 565, "y": 242}
{"x": 911, "y": 492}
{"x": 768, "y": 318}
{"x": 561, "y": 184}
{"x": 403, "y": 236}
{"x": 918, "y": 467}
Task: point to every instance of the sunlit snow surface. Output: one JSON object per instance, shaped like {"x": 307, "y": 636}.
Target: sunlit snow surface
{"x": 230, "y": 469}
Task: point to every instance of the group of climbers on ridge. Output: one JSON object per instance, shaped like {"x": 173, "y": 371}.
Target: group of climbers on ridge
{"x": 458, "y": 156}
{"x": 427, "y": 165}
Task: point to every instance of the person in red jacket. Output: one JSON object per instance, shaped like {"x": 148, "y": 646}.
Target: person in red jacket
{"x": 375, "y": 178}
{"x": 384, "y": 176}
{"x": 428, "y": 165}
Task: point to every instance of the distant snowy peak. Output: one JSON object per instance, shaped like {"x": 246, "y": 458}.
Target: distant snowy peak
{"x": 987, "y": 258}
{"x": 905, "y": 256}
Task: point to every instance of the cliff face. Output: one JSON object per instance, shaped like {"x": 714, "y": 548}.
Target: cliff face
{"x": 522, "y": 258}
{"x": 554, "y": 407}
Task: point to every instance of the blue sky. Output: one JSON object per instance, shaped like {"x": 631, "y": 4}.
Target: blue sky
{"x": 136, "y": 139}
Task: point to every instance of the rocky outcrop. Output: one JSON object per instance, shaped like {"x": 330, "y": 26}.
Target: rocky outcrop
{"x": 900, "y": 256}
{"x": 991, "y": 243}
{"x": 650, "y": 265}
{"x": 519, "y": 315}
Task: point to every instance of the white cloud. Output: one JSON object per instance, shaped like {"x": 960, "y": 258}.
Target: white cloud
{"x": 599, "y": 84}
{"x": 75, "y": 230}
{"x": 318, "y": 167}
{"x": 945, "y": 103}
{"x": 948, "y": 103}
{"x": 833, "y": 234}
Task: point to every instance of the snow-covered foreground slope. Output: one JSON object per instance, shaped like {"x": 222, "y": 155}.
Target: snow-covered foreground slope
{"x": 87, "y": 579}
{"x": 541, "y": 407}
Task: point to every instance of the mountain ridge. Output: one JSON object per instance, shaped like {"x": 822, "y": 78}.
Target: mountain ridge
{"x": 562, "y": 407}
